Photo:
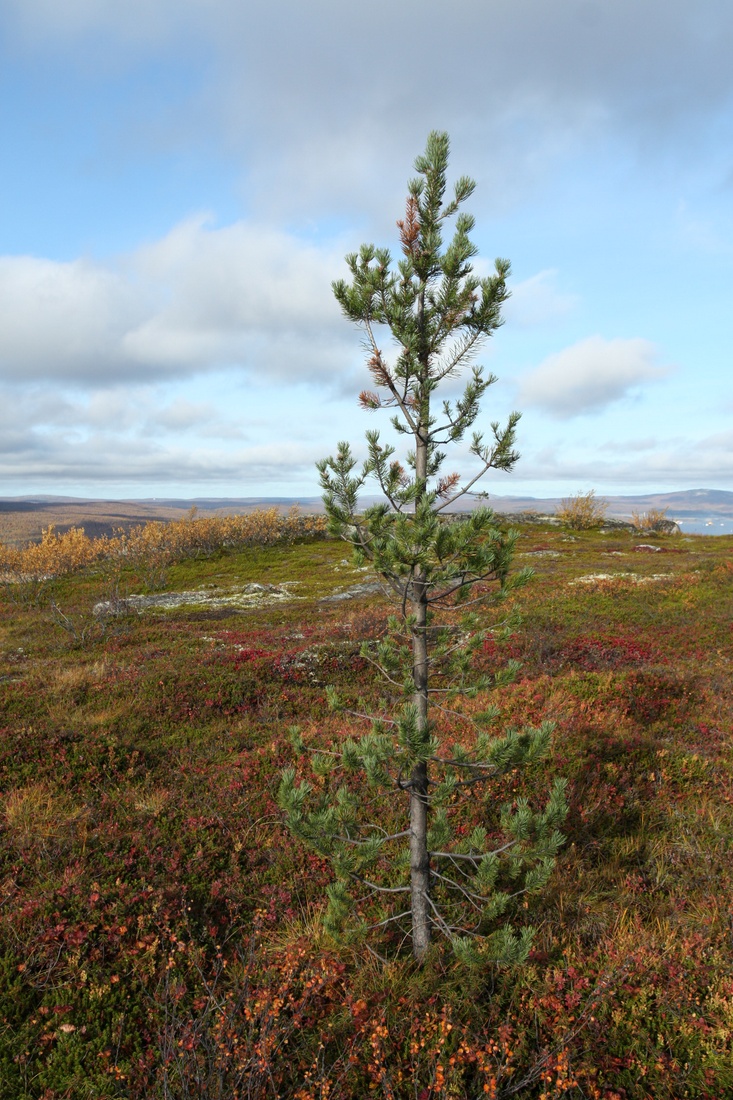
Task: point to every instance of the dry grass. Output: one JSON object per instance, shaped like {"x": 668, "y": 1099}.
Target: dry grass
{"x": 655, "y": 519}
{"x": 582, "y": 511}
{"x": 79, "y": 676}
{"x": 38, "y": 818}
{"x": 152, "y": 802}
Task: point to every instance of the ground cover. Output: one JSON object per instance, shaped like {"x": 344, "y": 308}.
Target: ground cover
{"x": 158, "y": 927}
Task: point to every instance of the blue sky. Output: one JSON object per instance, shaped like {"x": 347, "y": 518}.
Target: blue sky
{"x": 180, "y": 182}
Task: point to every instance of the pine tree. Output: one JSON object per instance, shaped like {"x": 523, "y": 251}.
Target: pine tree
{"x": 439, "y": 566}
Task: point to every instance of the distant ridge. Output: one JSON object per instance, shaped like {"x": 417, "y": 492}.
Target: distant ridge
{"x": 684, "y": 502}
{"x": 23, "y": 518}
{"x": 693, "y": 501}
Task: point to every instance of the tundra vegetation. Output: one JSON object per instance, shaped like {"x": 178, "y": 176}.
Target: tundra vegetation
{"x": 411, "y": 870}
{"x": 160, "y": 933}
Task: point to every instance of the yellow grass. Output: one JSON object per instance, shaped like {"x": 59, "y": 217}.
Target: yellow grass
{"x": 151, "y": 546}
{"x": 36, "y": 816}
{"x": 582, "y": 511}
{"x": 151, "y": 802}
{"x": 655, "y": 519}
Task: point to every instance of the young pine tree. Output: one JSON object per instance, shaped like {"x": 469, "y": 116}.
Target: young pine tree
{"x": 417, "y": 875}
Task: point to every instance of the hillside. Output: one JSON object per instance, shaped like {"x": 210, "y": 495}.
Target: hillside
{"x": 158, "y": 928}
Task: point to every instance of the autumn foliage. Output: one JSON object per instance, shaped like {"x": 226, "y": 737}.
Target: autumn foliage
{"x": 152, "y": 547}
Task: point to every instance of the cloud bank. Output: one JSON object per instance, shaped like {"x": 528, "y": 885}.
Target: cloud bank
{"x": 308, "y": 91}
{"x": 138, "y": 438}
{"x": 703, "y": 460}
{"x": 199, "y": 299}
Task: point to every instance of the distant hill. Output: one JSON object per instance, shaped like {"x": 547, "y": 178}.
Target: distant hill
{"x": 23, "y": 518}
{"x": 686, "y": 503}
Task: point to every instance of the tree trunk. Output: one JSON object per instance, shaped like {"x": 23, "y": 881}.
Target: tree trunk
{"x": 419, "y": 856}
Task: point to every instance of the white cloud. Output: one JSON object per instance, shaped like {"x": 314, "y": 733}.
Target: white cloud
{"x": 154, "y": 436}
{"x": 63, "y": 319}
{"x": 117, "y": 414}
{"x": 590, "y": 375}
{"x": 242, "y": 295}
{"x": 197, "y": 300}
{"x": 76, "y": 449}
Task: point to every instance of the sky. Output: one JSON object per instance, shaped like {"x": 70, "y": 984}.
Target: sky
{"x": 180, "y": 181}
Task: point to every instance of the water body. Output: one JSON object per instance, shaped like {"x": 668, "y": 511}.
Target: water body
{"x": 704, "y": 525}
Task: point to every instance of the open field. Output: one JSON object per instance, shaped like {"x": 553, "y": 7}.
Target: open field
{"x": 158, "y": 928}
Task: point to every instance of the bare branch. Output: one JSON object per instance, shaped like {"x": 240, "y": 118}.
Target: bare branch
{"x": 474, "y": 859}
{"x": 477, "y": 901}
{"x": 390, "y": 920}
{"x": 379, "y": 889}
